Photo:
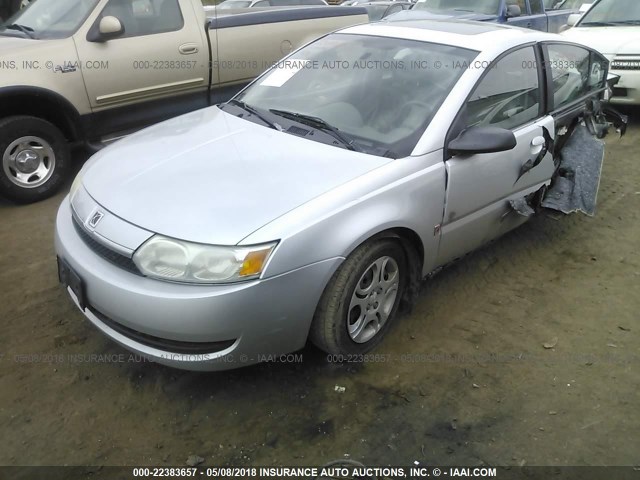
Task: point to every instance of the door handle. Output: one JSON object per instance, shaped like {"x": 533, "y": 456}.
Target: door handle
{"x": 188, "y": 49}
{"x": 540, "y": 146}
{"x": 537, "y": 144}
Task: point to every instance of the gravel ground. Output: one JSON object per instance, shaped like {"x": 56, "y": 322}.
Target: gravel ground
{"x": 526, "y": 352}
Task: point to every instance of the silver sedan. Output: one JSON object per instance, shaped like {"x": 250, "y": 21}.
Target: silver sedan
{"x": 312, "y": 204}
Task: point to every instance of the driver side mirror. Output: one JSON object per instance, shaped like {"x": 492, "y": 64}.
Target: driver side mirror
{"x": 513, "y": 11}
{"x": 108, "y": 28}
{"x": 476, "y": 140}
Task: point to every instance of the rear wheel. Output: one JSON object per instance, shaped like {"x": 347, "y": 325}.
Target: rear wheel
{"x": 361, "y": 300}
{"x": 35, "y": 158}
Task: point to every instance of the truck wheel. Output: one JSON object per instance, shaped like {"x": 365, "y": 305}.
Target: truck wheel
{"x": 361, "y": 300}
{"x": 35, "y": 158}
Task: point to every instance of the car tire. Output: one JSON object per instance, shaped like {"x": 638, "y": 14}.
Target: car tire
{"x": 34, "y": 157}
{"x": 345, "y": 319}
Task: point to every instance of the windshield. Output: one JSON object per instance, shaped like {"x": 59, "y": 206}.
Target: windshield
{"x": 565, "y": 4}
{"x": 488, "y": 7}
{"x": 51, "y": 18}
{"x": 380, "y": 92}
{"x": 234, "y": 4}
{"x": 612, "y": 12}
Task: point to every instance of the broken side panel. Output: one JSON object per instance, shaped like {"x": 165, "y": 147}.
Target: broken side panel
{"x": 575, "y": 188}
{"x": 579, "y": 157}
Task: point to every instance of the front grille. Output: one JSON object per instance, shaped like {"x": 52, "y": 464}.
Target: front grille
{"x": 105, "y": 252}
{"x": 173, "y": 346}
{"x": 626, "y": 63}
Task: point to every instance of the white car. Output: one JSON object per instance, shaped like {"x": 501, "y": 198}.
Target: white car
{"x": 613, "y": 28}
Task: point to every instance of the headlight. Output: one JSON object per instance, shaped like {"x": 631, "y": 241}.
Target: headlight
{"x": 77, "y": 182}
{"x": 179, "y": 261}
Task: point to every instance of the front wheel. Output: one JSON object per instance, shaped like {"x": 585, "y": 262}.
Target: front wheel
{"x": 35, "y": 158}
{"x": 361, "y": 300}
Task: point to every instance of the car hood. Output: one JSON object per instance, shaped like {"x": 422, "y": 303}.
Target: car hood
{"x": 423, "y": 14}
{"x": 10, "y": 45}
{"x": 214, "y": 178}
{"x": 607, "y": 40}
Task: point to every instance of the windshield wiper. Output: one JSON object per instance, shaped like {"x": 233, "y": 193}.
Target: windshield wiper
{"x": 28, "y": 31}
{"x": 255, "y": 112}
{"x": 626, "y": 22}
{"x": 320, "y": 124}
{"x": 597, "y": 24}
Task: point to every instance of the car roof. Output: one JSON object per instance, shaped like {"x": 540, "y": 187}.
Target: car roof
{"x": 460, "y": 33}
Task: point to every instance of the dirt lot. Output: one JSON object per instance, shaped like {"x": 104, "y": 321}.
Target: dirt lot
{"x": 469, "y": 380}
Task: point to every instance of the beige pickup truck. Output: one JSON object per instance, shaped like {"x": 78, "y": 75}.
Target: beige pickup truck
{"x": 86, "y": 72}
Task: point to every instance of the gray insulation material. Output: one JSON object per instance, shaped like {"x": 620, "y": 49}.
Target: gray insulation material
{"x": 575, "y": 189}
{"x": 522, "y": 207}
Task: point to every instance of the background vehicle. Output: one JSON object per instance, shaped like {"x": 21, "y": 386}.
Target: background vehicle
{"x": 519, "y": 13}
{"x": 79, "y": 72}
{"x": 236, "y": 4}
{"x": 241, "y": 4}
{"x": 381, "y": 9}
{"x": 319, "y": 197}
{"x": 348, "y": 3}
{"x": 9, "y": 7}
{"x": 567, "y": 4}
{"x": 613, "y": 28}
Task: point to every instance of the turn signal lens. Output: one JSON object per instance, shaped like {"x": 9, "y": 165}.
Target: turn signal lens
{"x": 254, "y": 262}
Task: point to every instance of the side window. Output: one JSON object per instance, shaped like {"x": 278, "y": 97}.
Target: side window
{"x": 393, "y": 9}
{"x": 575, "y": 72}
{"x": 536, "y": 7}
{"x": 508, "y": 96}
{"x": 145, "y": 17}
{"x": 565, "y": 4}
{"x": 597, "y": 71}
{"x": 521, "y": 3}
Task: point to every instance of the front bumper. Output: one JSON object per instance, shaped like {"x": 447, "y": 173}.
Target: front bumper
{"x": 627, "y": 91}
{"x": 243, "y": 323}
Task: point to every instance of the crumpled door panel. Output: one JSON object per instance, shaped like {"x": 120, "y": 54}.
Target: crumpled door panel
{"x": 578, "y": 156}
{"x": 575, "y": 187}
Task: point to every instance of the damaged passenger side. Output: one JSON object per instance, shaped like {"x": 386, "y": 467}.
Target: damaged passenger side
{"x": 578, "y": 155}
